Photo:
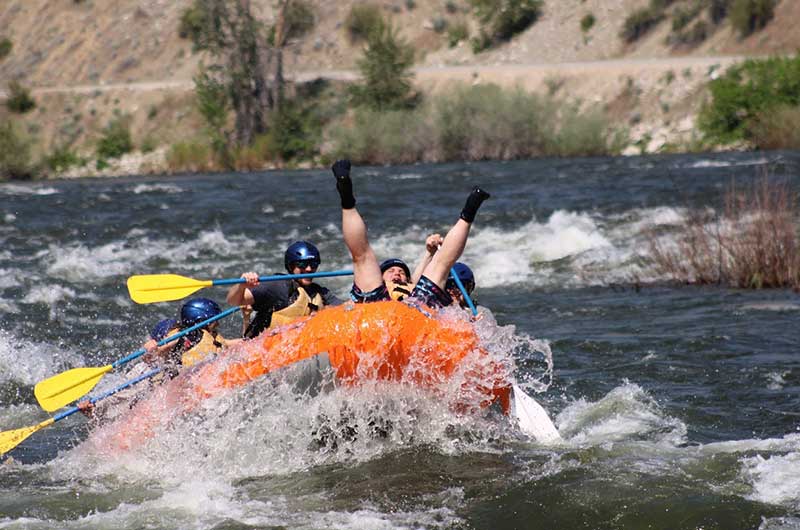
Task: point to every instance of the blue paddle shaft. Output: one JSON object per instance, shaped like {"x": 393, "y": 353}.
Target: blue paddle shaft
{"x": 464, "y": 292}
{"x": 278, "y": 277}
{"x": 141, "y": 351}
{"x": 72, "y": 410}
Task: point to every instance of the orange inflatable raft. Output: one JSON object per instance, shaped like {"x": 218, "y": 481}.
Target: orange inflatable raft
{"x": 377, "y": 341}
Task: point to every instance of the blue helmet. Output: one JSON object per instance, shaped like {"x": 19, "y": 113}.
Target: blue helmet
{"x": 161, "y": 329}
{"x": 197, "y": 310}
{"x": 395, "y": 262}
{"x": 301, "y": 251}
{"x": 464, "y": 274}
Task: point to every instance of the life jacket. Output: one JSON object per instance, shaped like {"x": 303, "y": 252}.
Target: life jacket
{"x": 208, "y": 346}
{"x": 399, "y": 291}
{"x": 303, "y": 306}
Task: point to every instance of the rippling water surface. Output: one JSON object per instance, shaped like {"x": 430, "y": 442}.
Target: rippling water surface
{"x": 679, "y": 406}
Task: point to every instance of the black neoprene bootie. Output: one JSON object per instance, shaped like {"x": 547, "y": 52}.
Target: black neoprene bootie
{"x": 341, "y": 170}
{"x": 474, "y": 202}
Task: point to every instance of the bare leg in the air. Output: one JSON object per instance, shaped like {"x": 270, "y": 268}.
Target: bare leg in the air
{"x": 454, "y": 242}
{"x": 366, "y": 270}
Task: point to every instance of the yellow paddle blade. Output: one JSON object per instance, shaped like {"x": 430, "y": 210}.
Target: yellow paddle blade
{"x": 64, "y": 388}
{"x": 149, "y": 288}
{"x": 10, "y": 439}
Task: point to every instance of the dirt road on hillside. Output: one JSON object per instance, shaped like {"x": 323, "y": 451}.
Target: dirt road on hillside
{"x": 530, "y": 76}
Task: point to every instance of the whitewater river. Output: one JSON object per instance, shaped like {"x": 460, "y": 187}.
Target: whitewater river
{"x": 679, "y": 405}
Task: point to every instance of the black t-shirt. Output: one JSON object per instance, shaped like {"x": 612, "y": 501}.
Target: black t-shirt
{"x": 276, "y": 295}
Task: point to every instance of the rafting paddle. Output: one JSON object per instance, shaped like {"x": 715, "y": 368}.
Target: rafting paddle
{"x": 10, "y": 439}
{"x": 150, "y": 288}
{"x": 463, "y": 291}
{"x": 66, "y": 387}
{"x": 531, "y": 417}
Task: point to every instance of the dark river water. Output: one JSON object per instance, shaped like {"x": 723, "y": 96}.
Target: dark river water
{"x": 679, "y": 405}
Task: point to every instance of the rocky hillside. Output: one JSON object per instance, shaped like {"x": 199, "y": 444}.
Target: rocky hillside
{"x": 87, "y": 60}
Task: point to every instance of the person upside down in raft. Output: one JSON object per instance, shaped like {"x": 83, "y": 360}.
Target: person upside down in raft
{"x": 368, "y": 282}
{"x": 397, "y": 276}
{"x": 280, "y": 302}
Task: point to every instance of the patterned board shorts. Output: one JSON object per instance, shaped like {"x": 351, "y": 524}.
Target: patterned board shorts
{"x": 378, "y": 294}
{"x": 425, "y": 292}
{"x": 430, "y": 294}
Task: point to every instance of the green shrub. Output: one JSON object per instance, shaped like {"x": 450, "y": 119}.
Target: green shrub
{"x": 776, "y": 128}
{"x": 378, "y": 137}
{"x": 148, "y": 145}
{"x": 202, "y": 23}
{"x": 15, "y": 153}
{"x": 746, "y": 91}
{"x": 456, "y": 33}
{"x": 748, "y": 16}
{"x": 502, "y": 19}
{"x": 682, "y": 16}
{"x": 451, "y": 7}
{"x": 584, "y": 134}
{"x": 19, "y": 99}
{"x": 5, "y": 47}
{"x": 213, "y": 103}
{"x": 190, "y": 156}
{"x": 587, "y": 22}
{"x": 253, "y": 157}
{"x": 362, "y": 21}
{"x": 488, "y": 122}
{"x": 192, "y": 23}
{"x": 476, "y": 123}
{"x": 385, "y": 70}
{"x": 62, "y": 158}
{"x": 660, "y": 5}
{"x": 295, "y": 132}
{"x": 480, "y": 42}
{"x": 639, "y": 23}
{"x": 692, "y": 37}
{"x": 300, "y": 19}
{"x": 116, "y": 139}
{"x": 718, "y": 10}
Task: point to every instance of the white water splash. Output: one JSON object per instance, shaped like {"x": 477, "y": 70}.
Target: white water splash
{"x": 157, "y": 188}
{"x": 775, "y": 479}
{"x": 724, "y": 163}
{"x": 21, "y": 189}
{"x": 626, "y": 413}
{"x": 79, "y": 263}
{"x": 53, "y": 296}
{"x": 27, "y": 362}
{"x": 406, "y": 176}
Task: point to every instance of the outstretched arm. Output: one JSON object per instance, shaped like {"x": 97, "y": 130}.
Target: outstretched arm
{"x": 454, "y": 242}
{"x": 432, "y": 244}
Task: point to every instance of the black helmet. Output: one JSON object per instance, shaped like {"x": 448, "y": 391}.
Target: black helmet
{"x": 197, "y": 310}
{"x": 301, "y": 251}
{"x": 464, "y": 274}
{"x": 395, "y": 262}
